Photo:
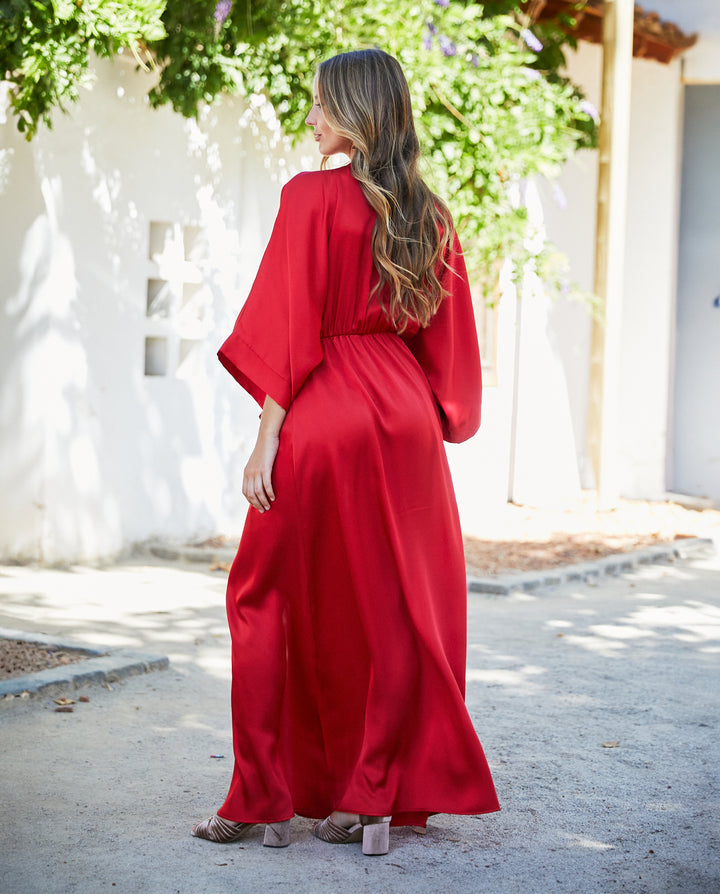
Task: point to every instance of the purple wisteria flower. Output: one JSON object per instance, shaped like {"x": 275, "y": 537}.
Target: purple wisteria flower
{"x": 427, "y": 41}
{"x": 443, "y": 3}
{"x": 222, "y": 11}
{"x": 559, "y": 195}
{"x": 432, "y": 27}
{"x": 532, "y": 42}
{"x": 532, "y": 74}
{"x": 475, "y": 60}
{"x": 447, "y": 46}
{"x": 589, "y": 109}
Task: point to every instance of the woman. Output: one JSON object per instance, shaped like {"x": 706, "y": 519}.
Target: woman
{"x": 347, "y": 599}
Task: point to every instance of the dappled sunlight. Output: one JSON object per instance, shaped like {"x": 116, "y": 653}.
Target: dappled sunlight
{"x": 619, "y": 631}
{"x": 520, "y": 679}
{"x": 585, "y": 842}
{"x": 691, "y": 622}
{"x": 218, "y": 666}
{"x": 661, "y": 570}
{"x": 155, "y": 609}
{"x": 497, "y": 657}
{"x": 600, "y": 646}
{"x": 106, "y": 454}
{"x": 200, "y": 722}
{"x": 583, "y": 595}
{"x": 520, "y": 596}
{"x": 6, "y": 160}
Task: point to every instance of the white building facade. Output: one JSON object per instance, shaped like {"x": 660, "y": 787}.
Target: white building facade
{"x": 130, "y": 237}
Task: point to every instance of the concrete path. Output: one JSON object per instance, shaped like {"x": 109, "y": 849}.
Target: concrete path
{"x": 597, "y": 707}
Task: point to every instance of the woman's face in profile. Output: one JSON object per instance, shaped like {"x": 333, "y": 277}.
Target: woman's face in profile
{"x": 329, "y": 143}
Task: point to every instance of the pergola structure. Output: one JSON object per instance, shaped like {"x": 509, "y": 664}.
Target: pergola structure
{"x": 653, "y": 38}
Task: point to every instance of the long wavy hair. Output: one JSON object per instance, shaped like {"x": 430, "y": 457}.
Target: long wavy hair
{"x": 365, "y": 98}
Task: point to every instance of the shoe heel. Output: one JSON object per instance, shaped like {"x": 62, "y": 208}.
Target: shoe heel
{"x": 277, "y": 834}
{"x": 376, "y": 836}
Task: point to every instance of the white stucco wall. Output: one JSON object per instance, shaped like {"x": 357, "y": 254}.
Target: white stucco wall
{"x": 554, "y": 362}
{"x": 95, "y": 454}
{"x": 648, "y": 317}
{"x": 570, "y": 212}
{"x": 701, "y": 63}
{"x": 549, "y": 463}
{"x": 480, "y": 467}
{"x": 24, "y": 237}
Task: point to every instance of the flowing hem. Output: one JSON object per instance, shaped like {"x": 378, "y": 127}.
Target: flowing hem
{"x": 407, "y": 817}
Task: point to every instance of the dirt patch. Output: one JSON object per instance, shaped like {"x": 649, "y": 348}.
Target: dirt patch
{"x": 18, "y": 658}
{"x": 523, "y": 538}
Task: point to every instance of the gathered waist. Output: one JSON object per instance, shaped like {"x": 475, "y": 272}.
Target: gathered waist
{"x": 358, "y": 334}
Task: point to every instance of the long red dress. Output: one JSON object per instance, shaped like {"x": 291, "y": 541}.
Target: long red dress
{"x": 347, "y": 600}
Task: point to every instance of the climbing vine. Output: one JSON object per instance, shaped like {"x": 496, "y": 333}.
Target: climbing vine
{"x": 492, "y": 105}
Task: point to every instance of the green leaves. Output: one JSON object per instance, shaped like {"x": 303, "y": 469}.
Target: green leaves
{"x": 490, "y": 110}
{"x": 45, "y": 48}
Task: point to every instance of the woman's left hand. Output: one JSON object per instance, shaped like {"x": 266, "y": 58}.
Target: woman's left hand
{"x": 257, "y": 478}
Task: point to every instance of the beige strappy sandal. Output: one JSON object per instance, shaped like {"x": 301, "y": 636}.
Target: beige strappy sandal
{"x": 373, "y": 831}
{"x": 224, "y": 831}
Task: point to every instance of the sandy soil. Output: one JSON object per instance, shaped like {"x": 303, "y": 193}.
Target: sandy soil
{"x": 18, "y": 658}
{"x": 523, "y": 538}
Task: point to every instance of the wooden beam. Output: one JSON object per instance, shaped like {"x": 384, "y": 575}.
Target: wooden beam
{"x": 604, "y": 390}
{"x": 653, "y": 37}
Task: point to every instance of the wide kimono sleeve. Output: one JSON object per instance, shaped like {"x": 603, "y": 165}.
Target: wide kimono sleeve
{"x": 447, "y": 350}
{"x": 275, "y": 344}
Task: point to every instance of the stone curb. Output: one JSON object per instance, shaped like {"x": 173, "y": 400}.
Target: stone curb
{"x": 101, "y": 666}
{"x": 590, "y": 572}
{"x": 222, "y": 555}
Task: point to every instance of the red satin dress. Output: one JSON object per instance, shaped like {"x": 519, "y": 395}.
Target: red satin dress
{"x": 347, "y": 600}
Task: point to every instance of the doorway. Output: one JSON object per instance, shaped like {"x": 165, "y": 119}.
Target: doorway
{"x": 696, "y": 422}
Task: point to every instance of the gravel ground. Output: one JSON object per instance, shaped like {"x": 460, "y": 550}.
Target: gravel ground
{"x": 597, "y": 706}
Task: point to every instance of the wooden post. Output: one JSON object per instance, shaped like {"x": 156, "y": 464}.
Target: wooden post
{"x": 604, "y": 390}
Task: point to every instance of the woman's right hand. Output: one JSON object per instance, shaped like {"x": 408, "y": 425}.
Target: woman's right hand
{"x": 257, "y": 478}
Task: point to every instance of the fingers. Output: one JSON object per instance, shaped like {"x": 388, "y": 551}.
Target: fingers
{"x": 267, "y": 485}
{"x": 258, "y": 491}
{"x": 257, "y": 477}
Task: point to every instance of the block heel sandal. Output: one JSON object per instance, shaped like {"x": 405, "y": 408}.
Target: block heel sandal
{"x": 277, "y": 834}
{"x": 376, "y": 835}
{"x": 223, "y": 831}
{"x": 373, "y": 831}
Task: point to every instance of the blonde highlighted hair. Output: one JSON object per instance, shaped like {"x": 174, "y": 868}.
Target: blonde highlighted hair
{"x": 365, "y": 99}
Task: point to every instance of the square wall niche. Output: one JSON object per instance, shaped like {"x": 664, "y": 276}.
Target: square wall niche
{"x": 156, "y": 356}
{"x": 159, "y": 299}
{"x": 177, "y": 299}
